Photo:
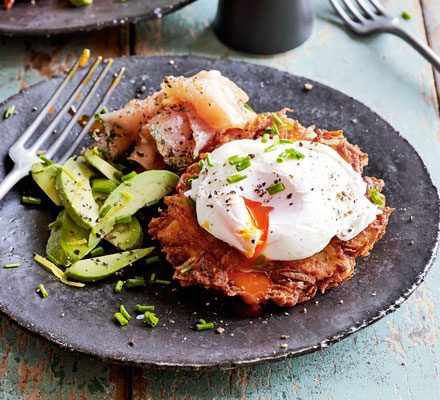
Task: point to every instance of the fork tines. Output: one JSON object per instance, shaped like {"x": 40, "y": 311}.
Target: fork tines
{"x": 363, "y": 11}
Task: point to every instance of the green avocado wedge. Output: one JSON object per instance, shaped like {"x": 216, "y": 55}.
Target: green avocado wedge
{"x": 69, "y": 242}
{"x": 95, "y": 269}
{"x": 126, "y": 236}
{"x": 45, "y": 177}
{"x": 73, "y": 187}
{"x": 132, "y": 195}
{"x": 106, "y": 169}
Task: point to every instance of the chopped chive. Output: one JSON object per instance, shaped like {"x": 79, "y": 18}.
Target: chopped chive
{"x": 151, "y": 203}
{"x": 200, "y": 164}
{"x": 55, "y": 224}
{"x": 286, "y": 141}
{"x": 235, "y": 178}
{"x": 42, "y": 290}
{"x": 123, "y": 219}
{"x": 289, "y": 127}
{"x": 121, "y": 319}
{"x": 99, "y": 251}
{"x": 186, "y": 269}
{"x": 277, "y": 120}
{"x": 188, "y": 181}
{"x": 191, "y": 202}
{"x": 52, "y": 259}
{"x": 30, "y": 200}
{"x": 104, "y": 110}
{"x": 279, "y": 187}
{"x": 235, "y": 159}
{"x": 202, "y": 321}
{"x": 406, "y": 15}
{"x": 151, "y": 319}
{"x": 152, "y": 278}
{"x": 135, "y": 282}
{"x": 265, "y": 138}
{"x": 16, "y": 265}
{"x": 275, "y": 129}
{"x": 209, "y": 160}
{"x": 124, "y": 312}
{"x": 103, "y": 185}
{"x": 143, "y": 309}
{"x": 248, "y": 107}
{"x": 118, "y": 287}
{"x": 118, "y": 174}
{"x": 162, "y": 282}
{"x": 293, "y": 154}
{"x": 46, "y": 161}
{"x": 245, "y": 162}
{"x": 103, "y": 212}
{"x": 375, "y": 197}
{"x": 9, "y": 111}
{"x": 205, "y": 326}
{"x": 152, "y": 260}
{"x": 275, "y": 143}
{"x": 280, "y": 160}
{"x": 126, "y": 177}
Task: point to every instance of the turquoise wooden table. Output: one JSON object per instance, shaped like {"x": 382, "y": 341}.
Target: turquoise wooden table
{"x": 396, "y": 358}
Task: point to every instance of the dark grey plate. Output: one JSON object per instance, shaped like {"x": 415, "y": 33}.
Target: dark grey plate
{"x": 50, "y": 17}
{"x": 81, "y": 319}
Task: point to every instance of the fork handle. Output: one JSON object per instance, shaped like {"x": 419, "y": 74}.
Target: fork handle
{"x": 10, "y": 180}
{"x": 418, "y": 44}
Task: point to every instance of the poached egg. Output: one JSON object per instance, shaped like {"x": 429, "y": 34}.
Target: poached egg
{"x": 282, "y": 201}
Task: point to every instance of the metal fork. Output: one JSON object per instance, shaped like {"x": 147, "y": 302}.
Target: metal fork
{"x": 25, "y": 156}
{"x": 370, "y": 16}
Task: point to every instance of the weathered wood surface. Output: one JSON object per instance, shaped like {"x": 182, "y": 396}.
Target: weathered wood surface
{"x": 398, "y": 357}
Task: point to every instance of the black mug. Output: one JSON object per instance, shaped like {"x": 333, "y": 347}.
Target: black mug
{"x": 263, "y": 26}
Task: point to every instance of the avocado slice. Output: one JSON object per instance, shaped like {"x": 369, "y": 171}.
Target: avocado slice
{"x": 45, "y": 177}
{"x": 106, "y": 169}
{"x": 95, "y": 269}
{"x": 73, "y": 186}
{"x": 132, "y": 195}
{"x": 126, "y": 236}
{"x": 69, "y": 242}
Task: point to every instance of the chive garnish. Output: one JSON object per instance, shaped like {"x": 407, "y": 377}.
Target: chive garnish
{"x": 124, "y": 312}
{"x": 234, "y": 159}
{"x": 188, "y": 181}
{"x": 121, "y": 319}
{"x": 248, "y": 107}
{"x": 209, "y": 160}
{"x": 279, "y": 187}
{"x": 123, "y": 219}
{"x": 406, "y": 15}
{"x": 9, "y": 111}
{"x": 103, "y": 212}
{"x": 265, "y": 138}
{"x": 152, "y": 260}
{"x": 375, "y": 197}
{"x": 53, "y": 260}
{"x": 235, "y": 178}
{"x": 104, "y": 110}
{"x": 245, "y": 162}
{"x": 118, "y": 286}
{"x": 30, "y": 200}
{"x": 152, "y": 278}
{"x": 151, "y": 319}
{"x": 103, "y": 185}
{"x": 42, "y": 290}
{"x": 126, "y": 177}
{"x": 286, "y": 141}
{"x": 151, "y": 203}
{"x": 277, "y": 119}
{"x": 46, "y": 161}
{"x": 191, "y": 202}
{"x": 16, "y": 265}
{"x": 186, "y": 269}
{"x": 99, "y": 251}
{"x": 275, "y": 143}
{"x": 54, "y": 225}
{"x": 275, "y": 129}
{"x": 205, "y": 326}
{"x": 135, "y": 282}
{"x": 162, "y": 282}
{"x": 143, "y": 309}
{"x": 200, "y": 164}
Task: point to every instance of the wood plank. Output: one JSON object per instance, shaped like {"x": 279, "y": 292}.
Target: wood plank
{"x": 396, "y": 358}
{"x": 32, "y": 368}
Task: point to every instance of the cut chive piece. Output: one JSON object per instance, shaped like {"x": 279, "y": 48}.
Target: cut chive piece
{"x": 245, "y": 162}
{"x": 99, "y": 251}
{"x": 152, "y": 278}
{"x": 55, "y": 224}
{"x": 151, "y": 203}
{"x": 191, "y": 202}
{"x": 123, "y": 219}
{"x": 209, "y": 160}
{"x": 30, "y": 200}
{"x": 205, "y": 326}
{"x": 235, "y": 178}
{"x": 293, "y": 154}
{"x": 406, "y": 15}
{"x": 186, "y": 269}
{"x": 118, "y": 287}
{"x": 286, "y": 141}
{"x": 248, "y": 107}
{"x": 188, "y": 181}
{"x": 103, "y": 185}
{"x": 202, "y": 321}
{"x": 152, "y": 260}
{"x": 9, "y": 111}
{"x": 104, "y": 110}
{"x": 121, "y": 319}
{"x": 275, "y": 143}
{"x": 16, "y": 265}
{"x": 279, "y": 187}
{"x": 46, "y": 161}
{"x": 42, "y": 290}
{"x": 53, "y": 260}
{"x": 143, "y": 309}
{"x": 277, "y": 120}
{"x": 275, "y": 129}
{"x": 375, "y": 197}
{"x": 234, "y": 159}
{"x": 162, "y": 282}
{"x": 135, "y": 282}
{"x": 124, "y": 312}
{"x": 280, "y": 160}
{"x": 265, "y": 138}
{"x": 200, "y": 164}
{"x": 103, "y": 212}
{"x": 132, "y": 174}
{"x": 151, "y": 319}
